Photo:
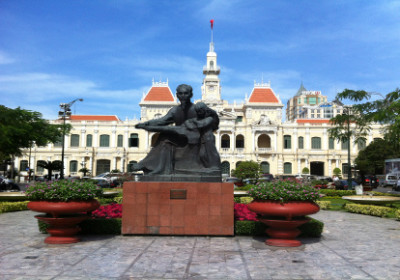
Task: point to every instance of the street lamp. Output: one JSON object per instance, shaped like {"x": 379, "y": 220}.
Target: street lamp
{"x": 346, "y": 110}
{"x": 65, "y": 111}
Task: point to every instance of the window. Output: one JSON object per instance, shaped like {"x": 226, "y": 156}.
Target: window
{"x": 345, "y": 169}
{"x": 287, "y": 168}
{"x": 225, "y": 141}
{"x": 239, "y": 119}
{"x": 58, "y": 143}
{"x": 299, "y": 101}
{"x": 264, "y": 141}
{"x": 104, "y": 140}
{"x": 331, "y": 143}
{"x": 89, "y": 138}
{"x": 225, "y": 168}
{"x": 287, "y": 142}
{"x": 134, "y": 140}
{"x": 345, "y": 144}
{"x": 23, "y": 165}
{"x": 73, "y": 166}
{"x": 120, "y": 140}
{"x": 40, "y": 169}
{"x": 362, "y": 144}
{"x": 265, "y": 167}
{"x": 74, "y": 140}
{"x": 316, "y": 143}
{"x": 301, "y": 142}
{"x": 239, "y": 141}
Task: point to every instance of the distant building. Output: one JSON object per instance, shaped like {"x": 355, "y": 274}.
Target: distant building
{"x": 252, "y": 130}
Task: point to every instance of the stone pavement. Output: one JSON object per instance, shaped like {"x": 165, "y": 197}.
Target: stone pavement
{"x": 353, "y": 246}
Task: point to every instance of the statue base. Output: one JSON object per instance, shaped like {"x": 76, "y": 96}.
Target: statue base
{"x": 178, "y": 208}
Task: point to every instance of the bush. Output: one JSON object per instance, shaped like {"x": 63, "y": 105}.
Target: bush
{"x": 372, "y": 210}
{"x": 313, "y": 228}
{"x": 247, "y": 169}
{"x": 336, "y": 193}
{"x": 324, "y": 205}
{"x": 93, "y": 226}
{"x": 397, "y": 214}
{"x": 246, "y": 199}
{"x": 13, "y": 206}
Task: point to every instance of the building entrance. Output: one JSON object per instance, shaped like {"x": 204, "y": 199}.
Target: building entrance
{"x": 317, "y": 168}
{"x": 103, "y": 166}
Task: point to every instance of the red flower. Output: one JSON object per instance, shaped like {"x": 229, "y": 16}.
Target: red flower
{"x": 109, "y": 211}
{"x": 242, "y": 213}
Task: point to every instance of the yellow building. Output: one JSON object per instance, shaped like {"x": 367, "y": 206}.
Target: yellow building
{"x": 252, "y": 130}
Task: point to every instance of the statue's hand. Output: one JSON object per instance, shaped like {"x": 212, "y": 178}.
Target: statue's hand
{"x": 141, "y": 125}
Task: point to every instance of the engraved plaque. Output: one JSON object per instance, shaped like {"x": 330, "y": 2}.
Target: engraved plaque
{"x": 177, "y": 194}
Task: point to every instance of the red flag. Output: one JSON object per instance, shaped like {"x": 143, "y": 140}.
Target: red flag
{"x": 212, "y": 23}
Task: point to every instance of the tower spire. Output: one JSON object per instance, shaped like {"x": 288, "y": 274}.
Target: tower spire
{"x": 212, "y": 36}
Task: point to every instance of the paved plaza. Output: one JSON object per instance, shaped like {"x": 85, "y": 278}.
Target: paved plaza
{"x": 353, "y": 246}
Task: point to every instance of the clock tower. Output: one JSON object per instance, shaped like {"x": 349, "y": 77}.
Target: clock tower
{"x": 211, "y": 88}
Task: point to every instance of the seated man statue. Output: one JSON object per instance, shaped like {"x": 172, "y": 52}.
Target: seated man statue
{"x": 186, "y": 149}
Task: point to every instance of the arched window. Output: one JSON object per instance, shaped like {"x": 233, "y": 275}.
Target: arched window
{"x": 316, "y": 143}
{"x": 287, "y": 142}
{"x": 40, "y": 169}
{"x": 237, "y": 164}
{"x": 225, "y": 141}
{"x": 89, "y": 139}
{"x": 301, "y": 142}
{"x": 287, "y": 168}
{"x": 134, "y": 140}
{"x": 265, "y": 167}
{"x": 211, "y": 64}
{"x": 130, "y": 165}
{"x": 120, "y": 140}
{"x": 239, "y": 141}
{"x": 104, "y": 140}
{"x": 73, "y": 166}
{"x": 225, "y": 168}
{"x": 264, "y": 141}
{"x": 74, "y": 140}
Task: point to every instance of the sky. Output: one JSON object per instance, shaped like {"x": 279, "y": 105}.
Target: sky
{"x": 109, "y": 52}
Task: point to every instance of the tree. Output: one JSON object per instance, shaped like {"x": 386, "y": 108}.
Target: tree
{"x": 305, "y": 170}
{"x": 85, "y": 171}
{"x": 337, "y": 172}
{"x": 51, "y": 166}
{"x": 247, "y": 169}
{"x": 20, "y": 128}
{"x": 383, "y": 111}
{"x": 371, "y": 160}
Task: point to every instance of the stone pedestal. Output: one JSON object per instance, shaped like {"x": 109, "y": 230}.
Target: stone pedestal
{"x": 178, "y": 208}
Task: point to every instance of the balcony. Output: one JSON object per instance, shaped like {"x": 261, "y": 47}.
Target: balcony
{"x": 264, "y": 150}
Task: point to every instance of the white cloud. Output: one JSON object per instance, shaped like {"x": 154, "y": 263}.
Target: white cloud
{"x": 5, "y": 58}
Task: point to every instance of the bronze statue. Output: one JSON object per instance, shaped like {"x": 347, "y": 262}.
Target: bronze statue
{"x": 185, "y": 151}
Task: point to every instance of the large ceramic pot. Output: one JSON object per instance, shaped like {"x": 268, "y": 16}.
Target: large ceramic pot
{"x": 283, "y": 219}
{"x": 62, "y": 218}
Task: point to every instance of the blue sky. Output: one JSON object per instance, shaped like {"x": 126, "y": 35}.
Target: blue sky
{"x": 108, "y": 52}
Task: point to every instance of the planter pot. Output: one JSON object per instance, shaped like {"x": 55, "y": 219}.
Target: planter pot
{"x": 283, "y": 219}
{"x": 63, "y": 218}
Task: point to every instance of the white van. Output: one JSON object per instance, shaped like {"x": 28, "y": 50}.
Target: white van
{"x": 391, "y": 179}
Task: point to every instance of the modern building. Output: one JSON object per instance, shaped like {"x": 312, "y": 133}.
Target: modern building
{"x": 252, "y": 130}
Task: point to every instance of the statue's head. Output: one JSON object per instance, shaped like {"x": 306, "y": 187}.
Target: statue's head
{"x": 184, "y": 93}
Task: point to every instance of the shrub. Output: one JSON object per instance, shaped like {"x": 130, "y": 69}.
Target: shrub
{"x": 397, "y": 214}
{"x": 324, "y": 205}
{"x": 242, "y": 213}
{"x": 93, "y": 226}
{"x": 13, "y": 206}
{"x": 247, "y": 169}
{"x": 246, "y": 199}
{"x": 336, "y": 193}
{"x": 313, "y": 228}
{"x": 372, "y": 210}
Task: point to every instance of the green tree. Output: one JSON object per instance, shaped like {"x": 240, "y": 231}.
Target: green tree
{"x": 51, "y": 166}
{"x": 305, "y": 170}
{"x": 371, "y": 160}
{"x": 385, "y": 111}
{"x": 85, "y": 171}
{"x": 20, "y": 128}
{"x": 337, "y": 172}
{"x": 247, "y": 169}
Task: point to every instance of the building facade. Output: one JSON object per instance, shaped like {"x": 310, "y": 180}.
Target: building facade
{"x": 252, "y": 130}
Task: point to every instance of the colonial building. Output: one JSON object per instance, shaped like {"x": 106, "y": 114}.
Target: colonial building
{"x": 252, "y": 130}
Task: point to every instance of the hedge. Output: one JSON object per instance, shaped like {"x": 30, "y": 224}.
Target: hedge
{"x": 313, "y": 228}
{"x": 372, "y": 210}
{"x": 13, "y": 206}
{"x": 324, "y": 205}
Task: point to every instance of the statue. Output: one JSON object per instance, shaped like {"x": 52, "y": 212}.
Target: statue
{"x": 185, "y": 151}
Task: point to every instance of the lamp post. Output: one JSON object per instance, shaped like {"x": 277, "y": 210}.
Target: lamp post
{"x": 65, "y": 111}
{"x": 346, "y": 110}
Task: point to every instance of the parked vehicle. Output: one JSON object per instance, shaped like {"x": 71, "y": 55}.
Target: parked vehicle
{"x": 266, "y": 177}
{"x": 391, "y": 179}
{"x": 236, "y": 181}
{"x": 344, "y": 185}
{"x": 370, "y": 181}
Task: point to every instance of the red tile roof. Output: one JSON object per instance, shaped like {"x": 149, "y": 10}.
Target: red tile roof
{"x": 263, "y": 95}
{"x": 315, "y": 121}
{"x": 101, "y": 118}
{"x": 159, "y": 93}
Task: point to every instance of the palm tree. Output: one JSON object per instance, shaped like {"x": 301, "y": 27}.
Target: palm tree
{"x": 50, "y": 166}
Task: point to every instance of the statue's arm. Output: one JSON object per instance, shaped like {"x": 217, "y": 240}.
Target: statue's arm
{"x": 163, "y": 121}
